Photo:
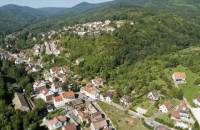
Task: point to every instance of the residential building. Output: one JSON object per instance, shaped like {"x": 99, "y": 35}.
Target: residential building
{"x": 197, "y": 101}
{"x": 126, "y": 100}
{"x": 56, "y": 87}
{"x": 70, "y": 126}
{"x": 99, "y": 124}
{"x": 68, "y": 96}
{"x": 38, "y": 84}
{"x": 154, "y": 95}
{"x": 166, "y": 107}
{"x": 107, "y": 96}
{"x": 179, "y": 77}
{"x": 58, "y": 101}
{"x": 54, "y": 124}
{"x": 20, "y": 102}
{"x": 90, "y": 91}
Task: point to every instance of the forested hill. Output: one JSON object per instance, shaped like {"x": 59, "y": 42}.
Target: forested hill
{"x": 14, "y": 17}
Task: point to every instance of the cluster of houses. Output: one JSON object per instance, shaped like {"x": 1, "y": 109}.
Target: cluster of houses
{"x": 61, "y": 122}
{"x": 94, "y": 28}
{"x": 50, "y": 89}
{"x": 181, "y": 114}
{"x": 88, "y": 113}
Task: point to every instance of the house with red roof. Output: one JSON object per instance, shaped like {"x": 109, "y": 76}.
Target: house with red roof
{"x": 54, "y": 124}
{"x": 68, "y": 96}
{"x": 90, "y": 91}
{"x": 166, "y": 107}
{"x": 70, "y": 126}
{"x": 179, "y": 77}
{"x": 46, "y": 95}
{"x": 58, "y": 101}
{"x": 175, "y": 115}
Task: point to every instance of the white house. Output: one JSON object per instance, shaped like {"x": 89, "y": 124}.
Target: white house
{"x": 90, "y": 92}
{"x": 107, "y": 96}
{"x": 181, "y": 125}
{"x": 54, "y": 124}
{"x": 166, "y": 107}
{"x": 46, "y": 95}
{"x": 197, "y": 101}
{"x": 58, "y": 101}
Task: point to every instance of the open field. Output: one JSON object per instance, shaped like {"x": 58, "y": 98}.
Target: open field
{"x": 120, "y": 119}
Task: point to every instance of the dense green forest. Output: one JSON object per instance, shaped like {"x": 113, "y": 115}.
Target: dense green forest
{"x": 10, "y": 118}
{"x": 134, "y": 59}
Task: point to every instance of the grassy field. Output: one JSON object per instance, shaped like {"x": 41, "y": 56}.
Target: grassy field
{"x": 190, "y": 90}
{"x": 120, "y": 119}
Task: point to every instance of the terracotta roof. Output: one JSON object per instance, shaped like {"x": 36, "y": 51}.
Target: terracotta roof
{"x": 180, "y": 75}
{"x": 168, "y": 105}
{"x": 53, "y": 121}
{"x": 58, "y": 98}
{"x": 69, "y": 127}
{"x": 69, "y": 94}
{"x": 175, "y": 114}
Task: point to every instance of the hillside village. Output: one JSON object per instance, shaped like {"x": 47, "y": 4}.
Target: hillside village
{"x": 73, "y": 108}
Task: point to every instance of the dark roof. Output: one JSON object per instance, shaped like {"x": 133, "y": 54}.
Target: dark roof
{"x": 22, "y": 99}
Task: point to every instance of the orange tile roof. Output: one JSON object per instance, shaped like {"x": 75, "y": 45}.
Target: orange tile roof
{"x": 70, "y": 127}
{"x": 168, "y": 105}
{"x": 180, "y": 75}
{"x": 69, "y": 94}
{"x": 175, "y": 114}
{"x": 58, "y": 98}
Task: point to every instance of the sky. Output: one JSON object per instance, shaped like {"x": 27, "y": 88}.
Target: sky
{"x": 48, "y": 3}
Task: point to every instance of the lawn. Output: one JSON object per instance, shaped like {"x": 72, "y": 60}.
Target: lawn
{"x": 121, "y": 120}
{"x": 190, "y": 90}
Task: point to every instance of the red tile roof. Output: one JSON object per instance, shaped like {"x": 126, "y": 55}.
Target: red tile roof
{"x": 168, "y": 105}
{"x": 180, "y": 75}
{"x": 69, "y": 127}
{"x": 175, "y": 114}
{"x": 69, "y": 94}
